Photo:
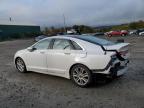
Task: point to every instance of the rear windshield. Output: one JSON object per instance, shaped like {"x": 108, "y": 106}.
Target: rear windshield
{"x": 95, "y": 40}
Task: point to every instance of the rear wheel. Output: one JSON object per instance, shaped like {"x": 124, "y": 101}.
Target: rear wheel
{"x": 81, "y": 75}
{"x": 20, "y": 65}
{"x": 109, "y": 35}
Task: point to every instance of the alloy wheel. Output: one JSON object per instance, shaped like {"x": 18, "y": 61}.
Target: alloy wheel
{"x": 20, "y": 65}
{"x": 80, "y": 76}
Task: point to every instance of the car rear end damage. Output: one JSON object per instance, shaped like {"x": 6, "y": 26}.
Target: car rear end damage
{"x": 114, "y": 57}
{"x": 119, "y": 60}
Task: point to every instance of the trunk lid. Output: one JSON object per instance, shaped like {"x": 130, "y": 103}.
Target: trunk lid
{"x": 121, "y": 48}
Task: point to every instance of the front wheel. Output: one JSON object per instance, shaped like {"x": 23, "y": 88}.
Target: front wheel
{"x": 81, "y": 75}
{"x": 123, "y": 34}
{"x": 20, "y": 65}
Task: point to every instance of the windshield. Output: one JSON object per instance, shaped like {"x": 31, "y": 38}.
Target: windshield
{"x": 95, "y": 40}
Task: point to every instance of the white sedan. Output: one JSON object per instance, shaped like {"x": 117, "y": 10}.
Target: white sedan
{"x": 76, "y": 57}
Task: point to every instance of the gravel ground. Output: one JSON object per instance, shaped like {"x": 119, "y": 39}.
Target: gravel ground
{"x": 34, "y": 90}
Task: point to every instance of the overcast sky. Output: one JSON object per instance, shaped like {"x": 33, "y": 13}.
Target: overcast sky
{"x": 90, "y": 12}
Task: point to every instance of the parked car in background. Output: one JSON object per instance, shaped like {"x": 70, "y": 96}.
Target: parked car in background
{"x": 132, "y": 32}
{"x": 61, "y": 33}
{"x": 124, "y": 32}
{"x": 117, "y": 33}
{"x": 141, "y": 33}
{"x": 84, "y": 34}
{"x": 76, "y": 57}
{"x": 98, "y": 34}
{"x": 136, "y": 32}
{"x": 40, "y": 37}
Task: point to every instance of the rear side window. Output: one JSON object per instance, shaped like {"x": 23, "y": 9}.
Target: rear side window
{"x": 62, "y": 44}
{"x": 76, "y": 46}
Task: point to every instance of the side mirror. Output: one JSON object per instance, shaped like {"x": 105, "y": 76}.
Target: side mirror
{"x": 31, "y": 49}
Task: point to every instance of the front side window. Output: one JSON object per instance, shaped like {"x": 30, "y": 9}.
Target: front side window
{"x": 61, "y": 44}
{"x": 44, "y": 44}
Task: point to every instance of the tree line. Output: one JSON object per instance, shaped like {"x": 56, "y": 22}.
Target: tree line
{"x": 89, "y": 29}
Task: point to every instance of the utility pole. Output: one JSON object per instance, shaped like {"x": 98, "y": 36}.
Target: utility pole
{"x": 10, "y": 19}
{"x": 64, "y": 23}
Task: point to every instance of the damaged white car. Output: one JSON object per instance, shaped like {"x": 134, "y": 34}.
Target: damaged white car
{"x": 75, "y": 57}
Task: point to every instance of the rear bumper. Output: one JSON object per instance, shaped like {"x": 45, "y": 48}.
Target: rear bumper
{"x": 114, "y": 69}
{"x": 119, "y": 68}
{"x": 122, "y": 71}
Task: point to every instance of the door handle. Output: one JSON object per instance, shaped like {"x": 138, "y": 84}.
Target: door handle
{"x": 67, "y": 53}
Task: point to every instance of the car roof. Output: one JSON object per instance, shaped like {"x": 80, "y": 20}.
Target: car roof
{"x": 65, "y": 36}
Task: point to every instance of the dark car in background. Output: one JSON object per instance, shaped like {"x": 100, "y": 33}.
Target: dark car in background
{"x": 40, "y": 37}
{"x": 98, "y": 34}
{"x": 136, "y": 32}
{"x": 139, "y": 31}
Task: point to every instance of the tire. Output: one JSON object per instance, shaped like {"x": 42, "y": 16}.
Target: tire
{"x": 123, "y": 35}
{"x": 20, "y": 65}
{"x": 81, "y": 75}
{"x": 109, "y": 35}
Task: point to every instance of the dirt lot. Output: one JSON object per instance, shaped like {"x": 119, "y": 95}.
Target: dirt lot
{"x": 35, "y": 90}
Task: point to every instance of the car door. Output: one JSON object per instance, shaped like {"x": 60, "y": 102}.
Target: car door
{"x": 61, "y": 56}
{"x": 36, "y": 59}
{"x": 118, "y": 33}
